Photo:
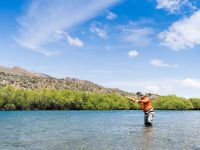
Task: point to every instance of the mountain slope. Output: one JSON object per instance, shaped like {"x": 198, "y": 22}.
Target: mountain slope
{"x": 20, "y": 71}
{"x": 21, "y": 78}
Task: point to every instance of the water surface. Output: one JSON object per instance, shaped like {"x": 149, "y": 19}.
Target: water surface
{"x": 99, "y": 130}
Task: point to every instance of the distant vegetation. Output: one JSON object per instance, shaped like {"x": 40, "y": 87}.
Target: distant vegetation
{"x": 25, "y": 90}
{"x": 47, "y": 99}
{"x": 173, "y": 102}
{"x": 51, "y": 99}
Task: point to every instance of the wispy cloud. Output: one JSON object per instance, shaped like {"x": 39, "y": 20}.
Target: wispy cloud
{"x": 174, "y": 6}
{"x": 191, "y": 83}
{"x": 160, "y": 63}
{"x": 72, "y": 41}
{"x": 182, "y": 34}
{"x": 44, "y": 18}
{"x": 97, "y": 28}
{"x": 133, "y": 53}
{"x": 111, "y": 15}
{"x": 152, "y": 88}
{"x": 136, "y": 34}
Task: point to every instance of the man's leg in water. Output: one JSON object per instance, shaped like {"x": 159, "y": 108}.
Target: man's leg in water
{"x": 148, "y": 118}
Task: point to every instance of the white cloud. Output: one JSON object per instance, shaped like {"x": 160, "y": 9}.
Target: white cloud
{"x": 133, "y": 53}
{"x": 44, "y": 18}
{"x": 74, "y": 41}
{"x": 111, "y": 15}
{"x": 99, "y": 30}
{"x": 152, "y": 88}
{"x": 139, "y": 35}
{"x": 182, "y": 34}
{"x": 36, "y": 48}
{"x": 170, "y": 5}
{"x": 160, "y": 63}
{"x": 136, "y": 34}
{"x": 191, "y": 83}
{"x": 174, "y": 6}
{"x": 181, "y": 87}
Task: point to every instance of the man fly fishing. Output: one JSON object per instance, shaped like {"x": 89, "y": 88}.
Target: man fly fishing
{"x": 145, "y": 103}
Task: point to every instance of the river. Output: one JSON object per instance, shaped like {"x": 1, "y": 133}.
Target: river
{"x": 99, "y": 130}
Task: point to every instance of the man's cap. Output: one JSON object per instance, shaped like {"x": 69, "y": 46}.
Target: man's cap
{"x": 139, "y": 94}
{"x": 149, "y": 94}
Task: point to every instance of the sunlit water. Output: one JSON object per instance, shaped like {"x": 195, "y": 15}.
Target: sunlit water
{"x": 99, "y": 130}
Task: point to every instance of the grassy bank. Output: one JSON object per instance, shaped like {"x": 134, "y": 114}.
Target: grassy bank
{"x": 38, "y": 99}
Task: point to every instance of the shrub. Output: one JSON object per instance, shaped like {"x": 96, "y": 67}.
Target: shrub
{"x": 9, "y": 107}
{"x": 47, "y": 99}
{"x": 196, "y": 103}
{"x": 172, "y": 102}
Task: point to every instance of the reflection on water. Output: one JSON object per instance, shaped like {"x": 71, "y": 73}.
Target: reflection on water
{"x": 99, "y": 130}
{"x": 147, "y": 138}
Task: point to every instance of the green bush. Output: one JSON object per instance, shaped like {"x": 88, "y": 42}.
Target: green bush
{"x": 196, "y": 103}
{"x": 188, "y": 104}
{"x": 172, "y": 102}
{"x": 174, "y": 105}
{"x": 10, "y": 107}
{"x": 47, "y": 99}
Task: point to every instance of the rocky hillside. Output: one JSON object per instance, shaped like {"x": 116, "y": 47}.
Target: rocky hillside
{"x": 21, "y": 78}
{"x": 20, "y": 72}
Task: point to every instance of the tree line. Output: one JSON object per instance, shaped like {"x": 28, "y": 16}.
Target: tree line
{"x": 49, "y": 99}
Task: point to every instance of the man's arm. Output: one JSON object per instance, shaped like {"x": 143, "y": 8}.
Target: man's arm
{"x": 132, "y": 99}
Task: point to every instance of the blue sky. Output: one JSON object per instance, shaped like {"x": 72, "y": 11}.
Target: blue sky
{"x": 134, "y": 45}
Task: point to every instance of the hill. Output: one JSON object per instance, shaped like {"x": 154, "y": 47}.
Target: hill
{"x": 36, "y": 91}
{"x": 23, "y": 79}
{"x": 20, "y": 72}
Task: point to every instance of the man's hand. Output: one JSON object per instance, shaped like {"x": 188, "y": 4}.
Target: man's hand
{"x": 136, "y": 101}
{"x": 132, "y": 99}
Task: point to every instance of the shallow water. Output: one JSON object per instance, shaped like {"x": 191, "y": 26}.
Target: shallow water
{"x": 99, "y": 130}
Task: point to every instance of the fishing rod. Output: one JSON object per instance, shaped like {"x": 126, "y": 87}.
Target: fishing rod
{"x": 132, "y": 99}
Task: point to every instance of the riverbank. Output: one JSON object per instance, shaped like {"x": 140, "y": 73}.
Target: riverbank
{"x": 47, "y": 99}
